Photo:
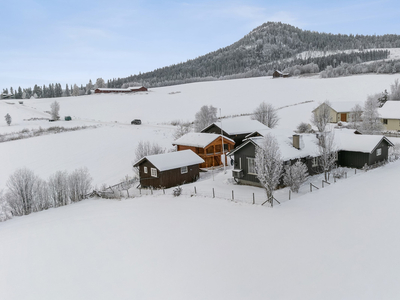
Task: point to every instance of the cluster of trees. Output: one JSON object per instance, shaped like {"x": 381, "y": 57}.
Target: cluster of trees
{"x": 54, "y": 90}
{"x": 27, "y": 193}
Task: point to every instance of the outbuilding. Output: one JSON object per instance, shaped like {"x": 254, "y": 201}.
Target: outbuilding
{"x": 169, "y": 169}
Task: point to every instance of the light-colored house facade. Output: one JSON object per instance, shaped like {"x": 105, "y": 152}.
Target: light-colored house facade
{"x": 390, "y": 115}
{"x": 339, "y": 111}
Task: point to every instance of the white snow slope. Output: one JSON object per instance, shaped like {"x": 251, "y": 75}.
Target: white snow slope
{"x": 340, "y": 242}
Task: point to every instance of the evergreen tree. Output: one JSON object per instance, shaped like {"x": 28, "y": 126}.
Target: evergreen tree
{"x": 67, "y": 94}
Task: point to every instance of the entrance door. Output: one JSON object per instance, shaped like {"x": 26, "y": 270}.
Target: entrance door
{"x": 343, "y": 117}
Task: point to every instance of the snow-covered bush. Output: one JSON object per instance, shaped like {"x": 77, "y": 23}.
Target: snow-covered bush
{"x": 295, "y": 175}
{"x": 177, "y": 191}
{"x": 8, "y": 119}
{"x": 303, "y": 128}
{"x": 204, "y": 117}
{"x": 54, "y": 110}
{"x": 59, "y": 188}
{"x": 338, "y": 173}
{"x": 394, "y": 152}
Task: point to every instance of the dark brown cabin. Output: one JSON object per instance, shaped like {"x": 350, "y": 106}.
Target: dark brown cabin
{"x": 169, "y": 169}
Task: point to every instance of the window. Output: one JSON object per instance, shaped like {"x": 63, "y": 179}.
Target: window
{"x": 251, "y": 166}
{"x": 385, "y": 121}
{"x": 315, "y": 161}
{"x": 184, "y": 170}
{"x": 153, "y": 172}
{"x": 378, "y": 151}
{"x": 145, "y": 170}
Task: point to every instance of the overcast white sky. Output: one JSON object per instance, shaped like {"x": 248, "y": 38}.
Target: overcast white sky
{"x": 70, "y": 41}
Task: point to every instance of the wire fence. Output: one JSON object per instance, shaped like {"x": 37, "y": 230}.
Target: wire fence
{"x": 231, "y": 192}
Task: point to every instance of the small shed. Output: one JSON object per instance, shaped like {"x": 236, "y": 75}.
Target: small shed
{"x": 207, "y": 145}
{"x": 356, "y": 150}
{"x": 169, "y": 169}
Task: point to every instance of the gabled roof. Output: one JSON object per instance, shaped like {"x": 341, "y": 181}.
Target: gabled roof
{"x": 390, "y": 110}
{"x": 238, "y": 126}
{"x": 172, "y": 160}
{"x": 285, "y": 142}
{"x": 342, "y": 106}
{"x": 346, "y": 141}
{"x": 135, "y": 87}
{"x": 199, "y": 139}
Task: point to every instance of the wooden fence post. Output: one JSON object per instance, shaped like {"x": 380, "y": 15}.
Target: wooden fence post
{"x": 290, "y": 193}
{"x": 163, "y": 191}
{"x": 213, "y": 193}
{"x": 310, "y": 187}
{"x": 233, "y": 198}
{"x": 254, "y": 199}
{"x": 195, "y": 192}
{"x": 151, "y": 189}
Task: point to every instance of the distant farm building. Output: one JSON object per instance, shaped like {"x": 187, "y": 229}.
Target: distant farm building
{"x": 131, "y": 89}
{"x": 169, "y": 169}
{"x": 206, "y": 145}
{"x": 278, "y": 74}
{"x": 339, "y": 111}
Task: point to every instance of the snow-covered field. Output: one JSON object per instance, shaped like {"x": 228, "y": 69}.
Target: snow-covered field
{"x": 335, "y": 243}
{"x": 108, "y": 150}
{"x": 340, "y": 242}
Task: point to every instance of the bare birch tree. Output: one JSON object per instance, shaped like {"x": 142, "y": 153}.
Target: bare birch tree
{"x": 371, "y": 122}
{"x": 267, "y": 114}
{"x": 327, "y": 152}
{"x": 204, "y": 117}
{"x": 268, "y": 164}
{"x": 356, "y": 116}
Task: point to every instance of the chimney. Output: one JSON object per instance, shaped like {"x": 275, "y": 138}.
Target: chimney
{"x": 298, "y": 141}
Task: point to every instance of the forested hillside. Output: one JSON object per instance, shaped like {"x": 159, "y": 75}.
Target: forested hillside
{"x": 269, "y": 46}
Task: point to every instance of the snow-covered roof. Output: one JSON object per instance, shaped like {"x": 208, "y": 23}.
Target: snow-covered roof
{"x": 390, "y": 110}
{"x": 173, "y": 160}
{"x": 344, "y": 140}
{"x": 238, "y": 126}
{"x": 348, "y": 141}
{"x": 135, "y": 87}
{"x": 114, "y": 89}
{"x": 198, "y": 139}
{"x": 343, "y": 106}
{"x": 309, "y": 146}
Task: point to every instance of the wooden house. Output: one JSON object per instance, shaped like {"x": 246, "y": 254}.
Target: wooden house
{"x": 291, "y": 145}
{"x": 353, "y": 150}
{"x": 278, "y": 74}
{"x": 169, "y": 169}
{"x": 390, "y": 114}
{"x": 339, "y": 111}
{"x": 235, "y": 128}
{"x": 206, "y": 145}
